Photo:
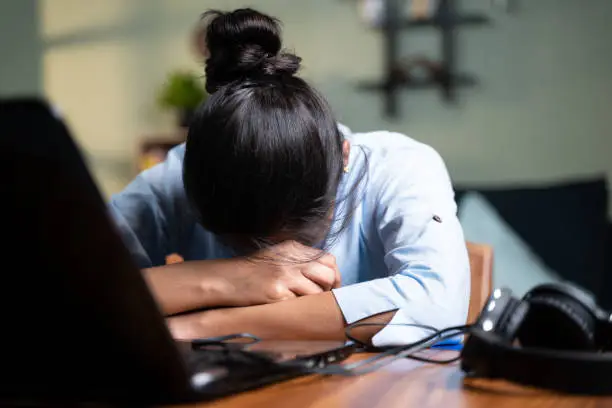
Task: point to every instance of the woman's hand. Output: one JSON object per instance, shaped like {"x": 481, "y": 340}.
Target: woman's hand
{"x": 284, "y": 271}
{"x": 281, "y": 272}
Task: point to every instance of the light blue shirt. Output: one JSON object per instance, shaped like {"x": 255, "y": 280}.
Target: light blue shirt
{"x": 395, "y": 254}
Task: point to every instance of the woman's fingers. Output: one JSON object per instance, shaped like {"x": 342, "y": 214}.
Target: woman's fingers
{"x": 323, "y": 274}
{"x": 329, "y": 260}
{"x": 303, "y": 286}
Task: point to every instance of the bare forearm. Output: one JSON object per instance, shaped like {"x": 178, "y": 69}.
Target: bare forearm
{"x": 315, "y": 317}
{"x": 190, "y": 285}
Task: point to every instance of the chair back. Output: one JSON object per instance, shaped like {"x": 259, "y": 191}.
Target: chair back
{"x": 481, "y": 271}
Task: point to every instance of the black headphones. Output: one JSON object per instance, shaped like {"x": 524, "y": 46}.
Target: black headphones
{"x": 554, "y": 337}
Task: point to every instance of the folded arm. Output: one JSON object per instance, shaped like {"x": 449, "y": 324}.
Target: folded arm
{"x": 314, "y": 317}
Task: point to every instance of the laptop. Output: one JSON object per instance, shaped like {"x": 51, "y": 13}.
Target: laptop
{"x": 78, "y": 321}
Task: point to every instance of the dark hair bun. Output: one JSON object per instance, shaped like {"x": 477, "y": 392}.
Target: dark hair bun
{"x": 244, "y": 44}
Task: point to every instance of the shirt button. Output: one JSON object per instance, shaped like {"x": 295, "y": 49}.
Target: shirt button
{"x": 437, "y": 218}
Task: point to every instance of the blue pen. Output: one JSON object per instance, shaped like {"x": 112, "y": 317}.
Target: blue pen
{"x": 448, "y": 345}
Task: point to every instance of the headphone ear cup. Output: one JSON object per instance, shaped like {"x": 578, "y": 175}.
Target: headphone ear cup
{"x": 556, "y": 321}
{"x": 513, "y": 320}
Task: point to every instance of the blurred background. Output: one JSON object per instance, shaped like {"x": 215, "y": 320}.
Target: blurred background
{"x": 514, "y": 94}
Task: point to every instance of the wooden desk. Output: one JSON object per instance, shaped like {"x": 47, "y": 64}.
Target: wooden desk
{"x": 404, "y": 384}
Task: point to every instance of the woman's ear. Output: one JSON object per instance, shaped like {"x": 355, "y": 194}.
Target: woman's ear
{"x": 346, "y": 152}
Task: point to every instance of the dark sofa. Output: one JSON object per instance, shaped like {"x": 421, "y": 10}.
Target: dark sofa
{"x": 566, "y": 224}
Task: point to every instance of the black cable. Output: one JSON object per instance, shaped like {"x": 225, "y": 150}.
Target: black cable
{"x": 368, "y": 347}
{"x": 408, "y": 350}
{"x": 386, "y": 356}
{"x": 395, "y": 353}
{"x": 391, "y": 351}
{"x": 434, "y": 360}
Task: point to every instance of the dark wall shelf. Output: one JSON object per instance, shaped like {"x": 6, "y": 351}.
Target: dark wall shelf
{"x": 443, "y": 73}
{"x": 458, "y": 80}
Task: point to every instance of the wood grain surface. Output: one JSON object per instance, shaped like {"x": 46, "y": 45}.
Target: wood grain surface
{"x": 404, "y": 383}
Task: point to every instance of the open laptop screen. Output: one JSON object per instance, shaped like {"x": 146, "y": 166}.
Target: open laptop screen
{"x": 78, "y": 318}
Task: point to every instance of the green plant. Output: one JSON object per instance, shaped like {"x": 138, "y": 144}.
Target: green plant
{"x": 182, "y": 90}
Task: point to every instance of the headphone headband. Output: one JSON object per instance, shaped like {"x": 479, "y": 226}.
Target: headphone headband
{"x": 581, "y": 295}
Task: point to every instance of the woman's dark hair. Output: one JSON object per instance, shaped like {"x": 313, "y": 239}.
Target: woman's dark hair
{"x": 264, "y": 154}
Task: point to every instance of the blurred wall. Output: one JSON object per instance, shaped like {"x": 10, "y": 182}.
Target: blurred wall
{"x": 20, "y": 48}
{"x": 539, "y": 114}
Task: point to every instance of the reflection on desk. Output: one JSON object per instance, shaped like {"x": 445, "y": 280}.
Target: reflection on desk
{"x": 404, "y": 383}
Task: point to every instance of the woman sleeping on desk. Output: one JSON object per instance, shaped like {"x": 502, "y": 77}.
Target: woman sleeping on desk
{"x": 292, "y": 226}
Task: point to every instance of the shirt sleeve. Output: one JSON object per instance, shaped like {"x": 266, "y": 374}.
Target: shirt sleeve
{"x": 144, "y": 212}
{"x": 424, "y": 251}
